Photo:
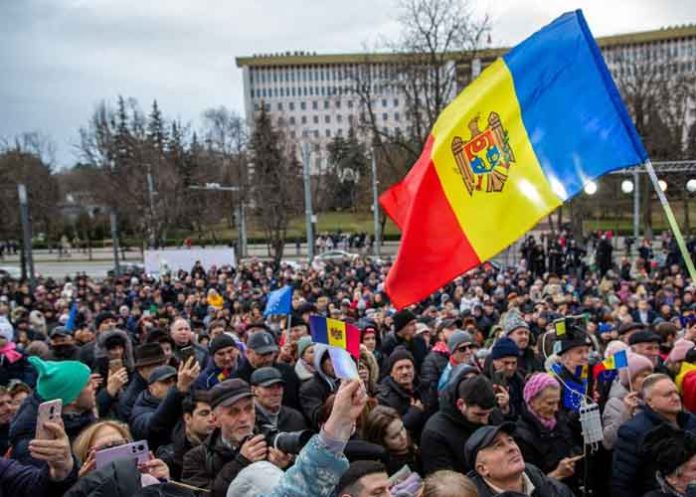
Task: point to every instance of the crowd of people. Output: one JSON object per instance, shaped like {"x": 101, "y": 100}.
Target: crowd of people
{"x": 494, "y": 385}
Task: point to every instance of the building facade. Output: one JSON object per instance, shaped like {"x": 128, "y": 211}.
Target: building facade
{"x": 314, "y": 98}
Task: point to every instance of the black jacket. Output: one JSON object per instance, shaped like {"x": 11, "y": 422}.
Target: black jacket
{"x": 416, "y": 346}
{"x": 127, "y": 399}
{"x": 212, "y": 465}
{"x": 289, "y": 419}
{"x": 542, "y": 447}
{"x": 23, "y": 428}
{"x": 291, "y": 391}
{"x": 431, "y": 370}
{"x": 154, "y": 419}
{"x": 543, "y": 485}
{"x": 18, "y": 480}
{"x": 633, "y": 472}
{"x": 117, "y": 479}
{"x": 390, "y": 393}
{"x": 173, "y": 453}
{"x": 313, "y": 393}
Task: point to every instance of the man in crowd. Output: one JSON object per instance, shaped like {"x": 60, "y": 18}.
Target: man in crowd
{"x": 437, "y": 360}
{"x": 404, "y": 335}
{"x": 62, "y": 345}
{"x": 224, "y": 352}
{"x": 633, "y": 470}
{"x": 647, "y": 344}
{"x": 267, "y": 386}
{"x": 517, "y": 329}
{"x": 104, "y": 322}
{"x": 399, "y": 390}
{"x": 148, "y": 357}
{"x": 461, "y": 351}
{"x": 499, "y": 468}
{"x": 364, "y": 479}
{"x": 181, "y": 333}
{"x": 504, "y": 375}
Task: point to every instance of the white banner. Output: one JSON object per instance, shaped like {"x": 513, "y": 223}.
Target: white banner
{"x": 172, "y": 260}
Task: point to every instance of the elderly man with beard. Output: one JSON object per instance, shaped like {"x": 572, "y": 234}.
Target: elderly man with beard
{"x": 500, "y": 469}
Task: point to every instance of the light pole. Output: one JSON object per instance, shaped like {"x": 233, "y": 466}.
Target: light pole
{"x": 308, "y": 200}
{"x": 26, "y": 231}
{"x": 375, "y": 204}
{"x": 239, "y": 215}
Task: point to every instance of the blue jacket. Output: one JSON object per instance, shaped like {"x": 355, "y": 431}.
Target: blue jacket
{"x": 209, "y": 376}
{"x": 315, "y": 473}
{"x": 17, "y": 480}
{"x": 633, "y": 473}
{"x": 154, "y": 419}
{"x": 23, "y": 428}
{"x": 128, "y": 397}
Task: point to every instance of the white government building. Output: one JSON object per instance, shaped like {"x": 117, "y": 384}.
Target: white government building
{"x": 311, "y": 96}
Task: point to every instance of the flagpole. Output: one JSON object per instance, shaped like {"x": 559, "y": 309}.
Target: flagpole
{"x": 630, "y": 382}
{"x": 676, "y": 231}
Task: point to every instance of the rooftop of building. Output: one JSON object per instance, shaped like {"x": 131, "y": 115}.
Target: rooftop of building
{"x": 291, "y": 58}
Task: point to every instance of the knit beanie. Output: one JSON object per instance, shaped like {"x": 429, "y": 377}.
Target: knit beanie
{"x": 679, "y": 350}
{"x": 513, "y": 320}
{"x": 399, "y": 354}
{"x": 62, "y": 380}
{"x": 636, "y": 364}
{"x": 537, "y": 383}
{"x": 457, "y": 338}
{"x": 402, "y": 318}
{"x": 220, "y": 342}
{"x": 302, "y": 345}
{"x": 504, "y": 347}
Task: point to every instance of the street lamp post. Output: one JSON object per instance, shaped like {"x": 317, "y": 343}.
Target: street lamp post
{"x": 308, "y": 200}
{"x": 375, "y": 205}
{"x": 26, "y": 231}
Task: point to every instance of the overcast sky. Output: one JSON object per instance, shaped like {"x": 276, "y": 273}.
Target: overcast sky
{"x": 59, "y": 58}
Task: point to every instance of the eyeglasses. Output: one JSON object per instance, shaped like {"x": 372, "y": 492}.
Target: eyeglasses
{"x": 109, "y": 445}
{"x": 463, "y": 348}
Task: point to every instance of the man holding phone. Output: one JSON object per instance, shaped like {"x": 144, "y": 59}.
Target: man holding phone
{"x": 504, "y": 376}
{"x": 184, "y": 345}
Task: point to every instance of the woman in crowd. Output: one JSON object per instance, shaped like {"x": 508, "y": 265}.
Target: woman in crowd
{"x": 385, "y": 427}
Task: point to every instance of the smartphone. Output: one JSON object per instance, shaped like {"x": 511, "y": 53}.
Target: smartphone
{"x": 48, "y": 412}
{"x": 115, "y": 364}
{"x": 187, "y": 352}
{"x": 134, "y": 450}
{"x": 498, "y": 378}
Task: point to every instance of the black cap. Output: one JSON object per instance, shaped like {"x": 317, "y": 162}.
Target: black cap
{"x": 161, "y": 373}
{"x": 482, "y": 438}
{"x": 627, "y": 327}
{"x": 402, "y": 318}
{"x": 103, "y": 316}
{"x": 265, "y": 377}
{"x": 221, "y": 342}
{"x": 262, "y": 342}
{"x": 149, "y": 354}
{"x": 60, "y": 331}
{"x": 228, "y": 392}
{"x": 644, "y": 336}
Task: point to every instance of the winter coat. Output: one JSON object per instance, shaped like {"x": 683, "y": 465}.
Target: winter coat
{"x": 633, "y": 472}
{"x": 119, "y": 478}
{"x": 17, "y": 480}
{"x": 543, "y": 485}
{"x": 446, "y": 433}
{"x": 540, "y": 446}
{"x": 64, "y": 353}
{"x": 213, "y": 465}
{"x": 529, "y": 362}
{"x": 23, "y": 428}
{"x": 154, "y": 419}
{"x": 289, "y": 419}
{"x": 314, "y": 392}
{"x": 416, "y": 346}
{"x": 615, "y": 414}
{"x": 391, "y": 394}
{"x": 433, "y": 365}
{"x": 130, "y": 395}
{"x": 173, "y": 453}
{"x": 292, "y": 382}
{"x": 18, "y": 370}
{"x": 315, "y": 473}
{"x": 210, "y": 376}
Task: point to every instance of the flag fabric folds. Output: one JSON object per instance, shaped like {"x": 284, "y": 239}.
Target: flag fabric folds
{"x": 335, "y": 333}
{"x": 279, "y": 302}
{"x": 614, "y": 362}
{"x": 525, "y": 136}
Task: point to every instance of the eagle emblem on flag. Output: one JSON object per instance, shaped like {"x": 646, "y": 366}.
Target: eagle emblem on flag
{"x": 485, "y": 159}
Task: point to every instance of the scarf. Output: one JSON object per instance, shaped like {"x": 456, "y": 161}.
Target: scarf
{"x": 441, "y": 347}
{"x": 8, "y": 351}
{"x": 548, "y": 423}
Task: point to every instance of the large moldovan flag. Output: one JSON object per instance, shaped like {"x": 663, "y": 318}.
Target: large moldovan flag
{"x": 525, "y": 136}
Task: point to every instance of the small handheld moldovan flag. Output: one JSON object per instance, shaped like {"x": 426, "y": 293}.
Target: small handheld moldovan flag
{"x": 525, "y": 136}
{"x": 617, "y": 361}
{"x": 335, "y": 333}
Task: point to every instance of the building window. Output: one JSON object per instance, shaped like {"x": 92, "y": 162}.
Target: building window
{"x": 339, "y": 118}
{"x": 315, "y": 119}
{"x": 291, "y": 105}
{"x": 292, "y": 120}
{"x": 326, "y": 104}
{"x": 350, "y": 104}
{"x": 304, "y": 119}
{"x": 384, "y": 102}
{"x": 338, "y": 104}
{"x": 303, "y": 105}
{"x": 281, "y": 122}
{"x": 396, "y": 102}
{"x": 350, "y": 119}
{"x": 315, "y": 105}
{"x": 316, "y": 133}
{"x": 256, "y": 107}
{"x": 327, "y": 119}
{"x": 385, "y": 117}
{"x": 328, "y": 133}
{"x": 268, "y": 107}
{"x": 280, "y": 105}
{"x": 340, "y": 132}
{"x": 252, "y": 93}
{"x": 396, "y": 116}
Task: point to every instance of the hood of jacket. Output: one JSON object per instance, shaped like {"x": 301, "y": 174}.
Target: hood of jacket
{"x": 100, "y": 349}
{"x": 319, "y": 350}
